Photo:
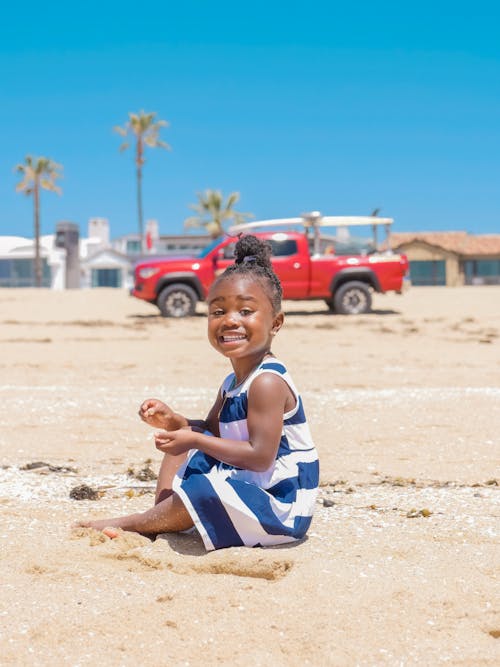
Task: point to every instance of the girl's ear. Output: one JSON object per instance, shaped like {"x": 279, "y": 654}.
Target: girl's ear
{"x": 277, "y": 323}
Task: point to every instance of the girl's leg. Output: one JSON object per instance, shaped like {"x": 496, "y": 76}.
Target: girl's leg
{"x": 169, "y": 466}
{"x": 167, "y": 516}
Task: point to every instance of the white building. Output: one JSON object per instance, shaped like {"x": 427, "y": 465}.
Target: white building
{"x": 100, "y": 262}
{"x": 105, "y": 267}
{"x": 16, "y": 262}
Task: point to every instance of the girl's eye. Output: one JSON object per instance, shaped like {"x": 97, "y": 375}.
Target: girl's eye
{"x": 217, "y": 313}
{"x": 245, "y": 311}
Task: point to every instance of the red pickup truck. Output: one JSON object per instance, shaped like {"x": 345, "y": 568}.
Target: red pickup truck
{"x": 308, "y": 266}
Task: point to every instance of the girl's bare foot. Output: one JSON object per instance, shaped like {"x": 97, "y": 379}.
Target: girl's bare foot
{"x": 105, "y": 526}
{"x": 110, "y": 532}
{"x": 167, "y": 516}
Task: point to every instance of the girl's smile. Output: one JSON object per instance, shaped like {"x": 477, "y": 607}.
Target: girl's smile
{"x": 231, "y": 338}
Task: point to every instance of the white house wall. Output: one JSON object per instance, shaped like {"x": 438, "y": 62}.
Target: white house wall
{"x": 106, "y": 259}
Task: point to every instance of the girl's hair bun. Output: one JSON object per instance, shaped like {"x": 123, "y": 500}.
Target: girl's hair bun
{"x": 253, "y": 260}
{"x": 251, "y": 250}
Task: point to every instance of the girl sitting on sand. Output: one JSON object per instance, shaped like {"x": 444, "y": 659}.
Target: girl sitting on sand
{"x": 248, "y": 474}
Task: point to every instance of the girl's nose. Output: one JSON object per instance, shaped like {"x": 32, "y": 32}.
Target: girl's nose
{"x": 231, "y": 318}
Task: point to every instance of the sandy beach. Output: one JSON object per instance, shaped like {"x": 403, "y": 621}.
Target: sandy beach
{"x": 401, "y": 564}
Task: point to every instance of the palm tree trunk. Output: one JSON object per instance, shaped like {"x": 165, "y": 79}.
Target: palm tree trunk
{"x": 139, "y": 205}
{"x": 139, "y": 162}
{"x": 36, "y": 213}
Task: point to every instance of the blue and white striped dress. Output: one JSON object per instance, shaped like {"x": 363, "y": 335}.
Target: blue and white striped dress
{"x": 234, "y": 507}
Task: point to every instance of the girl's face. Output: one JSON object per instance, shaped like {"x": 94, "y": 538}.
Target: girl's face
{"x": 241, "y": 321}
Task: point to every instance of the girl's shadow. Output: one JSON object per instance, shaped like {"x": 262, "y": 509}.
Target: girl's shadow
{"x": 191, "y": 544}
{"x": 185, "y": 544}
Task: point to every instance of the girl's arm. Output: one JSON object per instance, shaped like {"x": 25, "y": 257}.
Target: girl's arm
{"x": 269, "y": 398}
{"x": 211, "y": 422}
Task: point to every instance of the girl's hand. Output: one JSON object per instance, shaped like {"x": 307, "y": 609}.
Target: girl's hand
{"x": 175, "y": 442}
{"x": 159, "y": 415}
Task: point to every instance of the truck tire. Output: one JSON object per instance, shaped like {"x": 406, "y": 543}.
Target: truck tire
{"x": 177, "y": 300}
{"x": 352, "y": 298}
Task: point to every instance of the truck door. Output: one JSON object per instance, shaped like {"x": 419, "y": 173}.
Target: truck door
{"x": 291, "y": 267}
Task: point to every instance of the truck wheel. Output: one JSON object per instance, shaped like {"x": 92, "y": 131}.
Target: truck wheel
{"x": 177, "y": 300}
{"x": 353, "y": 298}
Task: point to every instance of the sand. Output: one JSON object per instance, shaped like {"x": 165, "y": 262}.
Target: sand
{"x": 400, "y": 566}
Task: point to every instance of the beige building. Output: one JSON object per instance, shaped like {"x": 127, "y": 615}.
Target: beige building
{"x": 450, "y": 258}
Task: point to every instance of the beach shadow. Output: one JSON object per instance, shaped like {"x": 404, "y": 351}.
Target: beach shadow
{"x": 157, "y": 317}
{"x": 148, "y": 318}
{"x": 322, "y": 311}
{"x": 191, "y": 544}
{"x": 184, "y": 544}
{"x": 384, "y": 311}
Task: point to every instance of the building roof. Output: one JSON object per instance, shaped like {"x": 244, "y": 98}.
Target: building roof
{"x": 21, "y": 246}
{"x": 106, "y": 257}
{"x": 483, "y": 244}
{"x": 460, "y": 243}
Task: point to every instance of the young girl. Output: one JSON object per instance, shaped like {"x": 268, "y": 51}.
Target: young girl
{"x": 248, "y": 474}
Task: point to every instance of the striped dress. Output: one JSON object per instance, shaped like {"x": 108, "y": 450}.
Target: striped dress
{"x": 234, "y": 507}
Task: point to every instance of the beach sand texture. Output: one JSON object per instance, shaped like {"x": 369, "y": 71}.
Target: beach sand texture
{"x": 401, "y": 564}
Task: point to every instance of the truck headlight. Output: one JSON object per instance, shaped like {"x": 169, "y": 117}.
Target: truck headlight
{"x": 147, "y": 272}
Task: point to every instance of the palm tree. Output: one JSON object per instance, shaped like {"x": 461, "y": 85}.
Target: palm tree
{"x": 38, "y": 173}
{"x": 146, "y": 130}
{"x": 212, "y": 212}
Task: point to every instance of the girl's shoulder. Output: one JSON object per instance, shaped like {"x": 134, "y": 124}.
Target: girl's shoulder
{"x": 276, "y": 367}
{"x": 273, "y": 364}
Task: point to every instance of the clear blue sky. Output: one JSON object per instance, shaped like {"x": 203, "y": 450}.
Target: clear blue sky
{"x": 332, "y": 106}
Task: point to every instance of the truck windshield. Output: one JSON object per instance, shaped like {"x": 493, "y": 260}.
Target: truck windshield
{"x": 207, "y": 249}
{"x": 351, "y": 240}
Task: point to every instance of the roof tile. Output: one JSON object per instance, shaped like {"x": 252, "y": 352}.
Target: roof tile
{"x": 461, "y": 243}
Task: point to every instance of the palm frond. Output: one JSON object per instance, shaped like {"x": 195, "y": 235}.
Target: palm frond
{"x": 212, "y": 211}
{"x": 232, "y": 199}
{"x": 145, "y": 128}
{"x": 196, "y": 207}
{"x": 41, "y": 170}
{"x": 154, "y": 142}
{"x": 47, "y": 184}
{"x": 239, "y": 218}
{"x": 24, "y": 187}
{"x": 193, "y": 222}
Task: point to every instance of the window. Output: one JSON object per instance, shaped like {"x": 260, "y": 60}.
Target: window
{"x": 21, "y": 273}
{"x": 283, "y": 248}
{"x": 208, "y": 248}
{"x": 133, "y": 247}
{"x": 482, "y": 271}
{"x": 229, "y": 251}
{"x": 106, "y": 278}
{"x": 432, "y": 272}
